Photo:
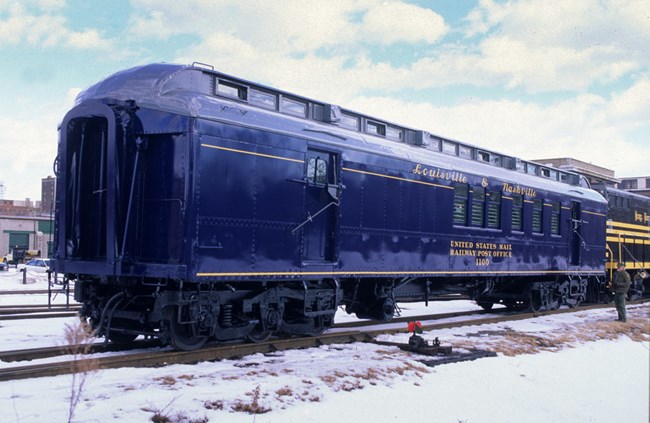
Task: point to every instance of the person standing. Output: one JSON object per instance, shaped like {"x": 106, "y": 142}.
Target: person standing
{"x": 621, "y": 283}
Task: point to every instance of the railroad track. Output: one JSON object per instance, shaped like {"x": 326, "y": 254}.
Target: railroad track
{"x": 58, "y": 289}
{"x": 34, "y": 306}
{"x": 49, "y": 352}
{"x": 18, "y": 312}
{"x": 166, "y": 356}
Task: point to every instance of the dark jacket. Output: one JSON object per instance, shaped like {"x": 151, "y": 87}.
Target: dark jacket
{"x": 621, "y": 282}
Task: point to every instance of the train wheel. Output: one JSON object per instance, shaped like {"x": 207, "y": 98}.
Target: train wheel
{"x": 256, "y": 335}
{"x": 535, "y": 301}
{"x": 636, "y": 290}
{"x": 512, "y": 305}
{"x": 120, "y": 337}
{"x": 634, "y": 295}
{"x": 577, "y": 292}
{"x": 183, "y": 336}
{"x": 485, "y": 305}
{"x": 554, "y": 304}
{"x": 385, "y": 309}
{"x": 321, "y": 324}
{"x": 575, "y": 303}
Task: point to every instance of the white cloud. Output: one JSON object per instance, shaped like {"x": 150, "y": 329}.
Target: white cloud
{"x": 294, "y": 27}
{"x": 39, "y": 24}
{"x": 530, "y": 46}
{"x": 567, "y": 46}
{"x": 392, "y": 22}
{"x": 71, "y": 95}
{"x": 28, "y": 151}
{"x": 337, "y": 50}
{"x": 581, "y": 127}
{"x": 88, "y": 39}
{"x": 29, "y": 142}
{"x": 633, "y": 104}
{"x": 549, "y": 68}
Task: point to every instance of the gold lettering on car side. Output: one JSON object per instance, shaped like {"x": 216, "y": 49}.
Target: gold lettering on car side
{"x": 518, "y": 189}
{"x": 641, "y": 217}
{"x": 483, "y": 252}
{"x": 435, "y": 173}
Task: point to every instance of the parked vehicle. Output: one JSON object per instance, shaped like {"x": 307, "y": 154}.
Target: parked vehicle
{"x": 18, "y": 254}
{"x": 36, "y": 265}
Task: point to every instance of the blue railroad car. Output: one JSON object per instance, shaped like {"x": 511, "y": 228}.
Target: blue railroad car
{"x": 194, "y": 205}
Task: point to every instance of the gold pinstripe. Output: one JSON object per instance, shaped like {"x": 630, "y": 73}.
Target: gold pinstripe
{"x": 641, "y": 228}
{"x": 354, "y": 273}
{"x": 269, "y": 156}
{"x": 396, "y": 177}
{"x": 594, "y": 213}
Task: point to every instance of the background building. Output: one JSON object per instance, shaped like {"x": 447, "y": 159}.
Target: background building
{"x": 638, "y": 185}
{"x": 594, "y": 174}
{"x": 28, "y": 224}
{"x": 29, "y": 232}
{"x": 48, "y": 189}
{"x": 25, "y": 207}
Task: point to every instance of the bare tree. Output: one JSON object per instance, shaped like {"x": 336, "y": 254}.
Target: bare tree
{"x": 79, "y": 338}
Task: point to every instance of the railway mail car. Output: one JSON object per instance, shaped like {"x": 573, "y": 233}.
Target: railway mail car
{"x": 194, "y": 205}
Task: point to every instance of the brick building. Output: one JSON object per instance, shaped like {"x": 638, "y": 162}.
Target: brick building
{"x": 28, "y": 224}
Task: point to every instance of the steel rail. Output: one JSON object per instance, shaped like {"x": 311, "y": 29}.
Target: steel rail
{"x": 48, "y": 352}
{"x": 166, "y": 357}
{"x": 406, "y": 319}
{"x": 229, "y": 351}
{"x": 19, "y": 310}
{"x": 35, "y": 315}
{"x": 35, "y": 306}
{"x": 55, "y": 290}
{"x": 511, "y": 316}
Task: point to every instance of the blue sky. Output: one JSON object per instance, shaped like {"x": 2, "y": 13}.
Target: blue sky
{"x": 528, "y": 78}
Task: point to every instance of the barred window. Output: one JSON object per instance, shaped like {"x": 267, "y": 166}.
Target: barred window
{"x": 394, "y": 133}
{"x": 262, "y": 99}
{"x": 537, "y": 216}
{"x": 478, "y": 206}
{"x": 520, "y": 166}
{"x": 317, "y": 171}
{"x": 375, "y": 128}
{"x": 531, "y": 169}
{"x": 555, "y": 218}
{"x": 464, "y": 152}
{"x": 460, "y": 204}
{"x": 494, "y": 210}
{"x": 449, "y": 148}
{"x": 517, "y": 212}
{"x": 349, "y": 121}
{"x": 231, "y": 89}
{"x": 293, "y": 106}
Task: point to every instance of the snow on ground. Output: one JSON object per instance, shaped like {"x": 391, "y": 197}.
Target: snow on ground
{"x": 12, "y": 280}
{"x": 579, "y": 367}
